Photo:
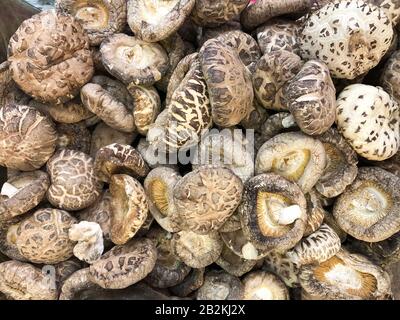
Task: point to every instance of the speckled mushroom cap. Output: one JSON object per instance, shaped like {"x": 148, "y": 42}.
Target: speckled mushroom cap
{"x": 147, "y": 104}
{"x": 132, "y": 60}
{"x": 196, "y": 250}
{"x": 124, "y": 265}
{"x": 390, "y": 77}
{"x": 220, "y": 285}
{"x": 206, "y": 197}
{"x": 43, "y": 237}
{"x": 159, "y": 185}
{"x": 208, "y": 33}
{"x": 156, "y": 20}
{"x": 391, "y": 165}
{"x": 278, "y": 34}
{"x": 22, "y": 193}
{"x": 295, "y": 156}
{"x": 9, "y": 91}
{"x": 368, "y": 118}
{"x": 129, "y": 207}
{"x": 27, "y": 138}
{"x": 74, "y": 136}
{"x": 8, "y": 231}
{"x": 99, "y": 18}
{"x": 50, "y": 66}
{"x": 119, "y": 158}
{"x": 368, "y": 210}
{"x": 214, "y": 13}
{"x": 74, "y": 184}
{"x": 391, "y": 9}
{"x": 272, "y": 71}
{"x": 228, "y": 82}
{"x": 349, "y": 36}
{"x": 233, "y": 264}
{"x": 261, "y": 285}
{"x": 279, "y": 263}
{"x": 110, "y": 101}
{"x": 23, "y": 281}
{"x": 315, "y": 212}
{"x": 311, "y": 98}
{"x": 191, "y": 283}
{"x": 273, "y": 212}
{"x": 345, "y": 277}
{"x": 255, "y": 118}
{"x": 341, "y": 164}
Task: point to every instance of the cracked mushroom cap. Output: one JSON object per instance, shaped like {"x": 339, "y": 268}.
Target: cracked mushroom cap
{"x": 368, "y": 118}
{"x": 192, "y": 282}
{"x": 159, "y": 185}
{"x": 261, "y": 285}
{"x": 280, "y": 264}
{"x": 156, "y": 20}
{"x": 9, "y": 91}
{"x": 213, "y": 13}
{"x": 351, "y": 37}
{"x": 27, "y": 138}
{"x": 255, "y": 118}
{"x": 197, "y": 250}
{"x": 311, "y": 98}
{"x": 205, "y": 198}
{"x": 132, "y": 60}
{"x": 295, "y": 156}
{"x": 345, "y": 277}
{"x": 232, "y": 223}
{"x": 315, "y": 212}
{"x": 272, "y": 72}
{"x": 129, "y": 207}
{"x": 74, "y": 136}
{"x": 228, "y": 82}
{"x": 23, "y": 281}
{"x": 369, "y": 210}
{"x": 273, "y": 212}
{"x": 22, "y": 193}
{"x": 50, "y": 66}
{"x": 99, "y": 18}
{"x": 74, "y": 184}
{"x": 220, "y": 285}
{"x": 43, "y": 237}
{"x": 233, "y": 264}
{"x": 119, "y": 158}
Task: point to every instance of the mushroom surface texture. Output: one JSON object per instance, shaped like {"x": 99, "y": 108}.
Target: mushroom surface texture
{"x": 261, "y": 285}
{"x": 219, "y": 285}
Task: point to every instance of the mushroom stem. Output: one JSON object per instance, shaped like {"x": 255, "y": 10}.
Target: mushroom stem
{"x": 289, "y": 214}
{"x": 8, "y": 190}
{"x": 249, "y": 251}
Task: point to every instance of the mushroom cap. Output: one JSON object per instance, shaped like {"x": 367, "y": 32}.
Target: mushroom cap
{"x": 22, "y": 193}
{"x": 196, "y": 250}
{"x": 295, "y": 156}
{"x": 369, "y": 210}
{"x": 74, "y": 136}
{"x": 261, "y": 285}
{"x": 349, "y": 36}
{"x": 315, "y": 212}
{"x": 119, "y": 158}
{"x": 74, "y": 184}
{"x": 124, "y": 265}
{"x": 271, "y": 73}
{"x": 214, "y": 13}
{"x": 206, "y": 197}
{"x": 8, "y": 236}
{"x": 232, "y": 223}
{"x": 233, "y": 264}
{"x": 99, "y": 18}
{"x": 27, "y": 138}
{"x": 255, "y": 118}
{"x": 50, "y": 67}
{"x": 280, "y": 264}
{"x": 391, "y": 9}
{"x": 9, "y": 91}
{"x": 277, "y": 123}
{"x": 192, "y": 282}
{"x": 129, "y": 207}
{"x": 265, "y": 198}
{"x": 220, "y": 285}
{"x": 43, "y": 236}
{"x": 65, "y": 269}
{"x": 23, "y": 281}
{"x": 208, "y": 33}
{"x": 368, "y": 118}
{"x": 390, "y": 77}
{"x": 153, "y": 21}
{"x": 228, "y": 82}
{"x": 132, "y": 60}
{"x": 311, "y": 98}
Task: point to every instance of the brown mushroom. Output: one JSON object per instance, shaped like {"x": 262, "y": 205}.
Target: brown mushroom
{"x": 9, "y": 91}
{"x": 8, "y": 236}
{"x": 191, "y": 283}
{"x": 233, "y": 264}
{"x": 277, "y": 123}
{"x": 219, "y": 285}
{"x": 65, "y": 269}
{"x": 280, "y": 264}
{"x": 390, "y": 76}
{"x": 261, "y": 285}
{"x": 232, "y": 223}
{"x": 208, "y": 33}
{"x": 74, "y": 136}
{"x": 315, "y": 212}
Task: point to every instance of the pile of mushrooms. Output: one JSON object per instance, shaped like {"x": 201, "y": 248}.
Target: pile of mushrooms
{"x": 196, "y": 149}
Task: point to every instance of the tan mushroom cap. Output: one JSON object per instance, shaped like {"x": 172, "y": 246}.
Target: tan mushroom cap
{"x": 391, "y": 9}
{"x": 132, "y": 60}
{"x": 233, "y": 264}
{"x": 124, "y": 265}
{"x": 196, "y": 250}
{"x": 191, "y": 283}
{"x": 76, "y": 282}
{"x": 50, "y": 66}
{"x": 27, "y": 138}
{"x": 261, "y": 285}
{"x": 228, "y": 82}
{"x": 368, "y": 210}
{"x": 345, "y": 277}
{"x": 43, "y": 237}
{"x": 8, "y": 236}
{"x": 295, "y": 156}
{"x": 129, "y": 207}
{"x": 368, "y": 118}
{"x": 74, "y": 136}
{"x": 23, "y": 281}
{"x": 99, "y": 18}
{"x": 220, "y": 285}
{"x": 279, "y": 263}
{"x": 22, "y": 193}
{"x": 74, "y": 184}
{"x": 232, "y": 223}
{"x": 315, "y": 212}
{"x": 156, "y": 20}
{"x": 9, "y": 91}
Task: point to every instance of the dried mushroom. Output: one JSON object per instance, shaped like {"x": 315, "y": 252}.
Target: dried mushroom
{"x": 315, "y": 212}
{"x": 277, "y": 123}
{"x": 233, "y": 264}
{"x": 390, "y": 76}
{"x": 390, "y": 7}
{"x": 65, "y": 269}
{"x": 232, "y": 223}
{"x": 74, "y": 136}
{"x": 260, "y": 285}
{"x": 219, "y": 285}
{"x": 8, "y": 236}
{"x": 280, "y": 264}
{"x": 192, "y": 282}
{"x": 9, "y": 91}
